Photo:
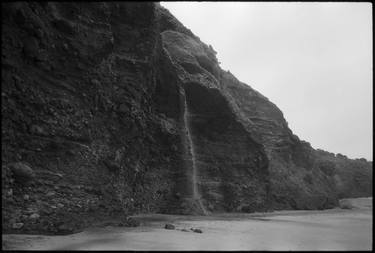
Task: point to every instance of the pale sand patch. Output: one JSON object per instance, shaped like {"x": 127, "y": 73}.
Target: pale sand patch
{"x": 334, "y": 229}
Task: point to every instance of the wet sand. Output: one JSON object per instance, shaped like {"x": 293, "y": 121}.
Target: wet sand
{"x": 334, "y": 229}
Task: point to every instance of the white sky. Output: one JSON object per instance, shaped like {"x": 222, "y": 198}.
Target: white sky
{"x": 313, "y": 60}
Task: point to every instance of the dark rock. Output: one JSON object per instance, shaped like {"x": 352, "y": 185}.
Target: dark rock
{"x": 10, "y": 192}
{"x": 130, "y": 222}
{"x": 169, "y": 226}
{"x": 30, "y": 210}
{"x": 123, "y": 108}
{"x": 50, "y": 194}
{"x": 47, "y": 211}
{"x": 59, "y": 205}
{"x": 20, "y": 17}
{"x": 17, "y": 225}
{"x": 64, "y": 229}
{"x": 345, "y": 204}
{"x": 31, "y": 47}
{"x": 64, "y": 26}
{"x": 22, "y": 172}
{"x": 42, "y": 57}
{"x": 35, "y": 129}
{"x": 95, "y": 82}
{"x": 34, "y": 216}
{"x": 196, "y": 230}
{"x": 112, "y": 165}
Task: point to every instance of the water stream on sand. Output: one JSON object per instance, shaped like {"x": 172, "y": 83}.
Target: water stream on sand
{"x": 196, "y": 195}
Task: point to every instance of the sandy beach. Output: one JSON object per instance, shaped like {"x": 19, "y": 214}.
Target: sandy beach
{"x": 333, "y": 229}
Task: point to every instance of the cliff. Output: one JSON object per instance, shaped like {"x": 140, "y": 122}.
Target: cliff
{"x": 110, "y": 109}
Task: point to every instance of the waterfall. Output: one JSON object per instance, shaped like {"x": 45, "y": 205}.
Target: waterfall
{"x": 191, "y": 150}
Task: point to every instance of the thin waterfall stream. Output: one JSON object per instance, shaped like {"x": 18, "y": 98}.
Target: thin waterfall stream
{"x": 196, "y": 195}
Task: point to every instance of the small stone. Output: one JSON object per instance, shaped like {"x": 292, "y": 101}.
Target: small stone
{"x": 59, "y": 205}
{"x": 169, "y": 226}
{"x": 29, "y": 211}
{"x": 95, "y": 82}
{"x": 26, "y": 197}
{"x": 17, "y": 225}
{"x": 10, "y": 192}
{"x": 53, "y": 207}
{"x": 42, "y": 55}
{"x": 34, "y": 216}
{"x": 56, "y": 187}
{"x": 35, "y": 129}
{"x": 50, "y": 194}
{"x": 184, "y": 230}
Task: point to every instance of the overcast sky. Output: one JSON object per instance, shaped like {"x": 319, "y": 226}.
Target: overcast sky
{"x": 313, "y": 60}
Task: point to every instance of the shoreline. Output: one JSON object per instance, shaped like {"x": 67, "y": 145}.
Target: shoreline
{"x": 340, "y": 229}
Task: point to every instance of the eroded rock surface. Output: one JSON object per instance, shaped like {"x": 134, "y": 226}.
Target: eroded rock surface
{"x": 93, "y": 101}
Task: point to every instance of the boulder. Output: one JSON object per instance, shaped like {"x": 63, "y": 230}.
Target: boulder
{"x": 196, "y": 230}
{"x": 345, "y": 204}
{"x": 64, "y": 229}
{"x": 169, "y": 226}
{"x": 17, "y": 225}
{"x": 129, "y": 222}
{"x": 21, "y": 172}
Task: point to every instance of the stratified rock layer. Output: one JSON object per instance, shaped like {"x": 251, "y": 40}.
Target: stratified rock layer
{"x": 93, "y": 102}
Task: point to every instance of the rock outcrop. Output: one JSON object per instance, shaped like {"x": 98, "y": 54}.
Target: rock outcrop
{"x": 94, "y": 101}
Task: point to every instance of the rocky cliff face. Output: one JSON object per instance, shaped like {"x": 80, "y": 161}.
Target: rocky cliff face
{"x": 117, "y": 108}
